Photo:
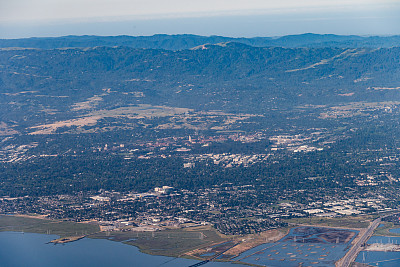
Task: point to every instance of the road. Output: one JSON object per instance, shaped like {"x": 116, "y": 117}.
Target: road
{"x": 356, "y": 248}
{"x": 213, "y": 257}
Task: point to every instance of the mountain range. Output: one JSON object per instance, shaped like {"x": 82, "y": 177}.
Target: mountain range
{"x": 187, "y": 41}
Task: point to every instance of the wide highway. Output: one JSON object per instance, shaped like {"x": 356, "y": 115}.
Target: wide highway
{"x": 356, "y": 248}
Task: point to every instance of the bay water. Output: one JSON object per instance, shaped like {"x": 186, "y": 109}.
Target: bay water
{"x": 33, "y": 250}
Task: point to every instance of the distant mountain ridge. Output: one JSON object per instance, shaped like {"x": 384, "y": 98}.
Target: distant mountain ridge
{"x": 232, "y": 77}
{"x": 187, "y": 41}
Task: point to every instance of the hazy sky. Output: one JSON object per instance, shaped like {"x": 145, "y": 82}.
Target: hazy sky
{"x": 24, "y": 18}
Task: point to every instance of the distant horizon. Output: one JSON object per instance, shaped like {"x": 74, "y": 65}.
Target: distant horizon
{"x": 192, "y": 34}
{"x": 363, "y": 18}
{"x": 359, "y": 22}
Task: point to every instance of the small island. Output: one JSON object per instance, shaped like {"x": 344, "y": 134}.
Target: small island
{"x": 69, "y": 239}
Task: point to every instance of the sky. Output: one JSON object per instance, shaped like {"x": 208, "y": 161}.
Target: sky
{"x": 247, "y": 18}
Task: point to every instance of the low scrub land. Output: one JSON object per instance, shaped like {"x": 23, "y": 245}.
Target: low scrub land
{"x": 350, "y": 222}
{"x": 173, "y": 242}
{"x": 45, "y": 226}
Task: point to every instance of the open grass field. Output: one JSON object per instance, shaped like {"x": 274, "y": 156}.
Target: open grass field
{"x": 351, "y": 222}
{"x": 172, "y": 242}
{"x": 45, "y": 226}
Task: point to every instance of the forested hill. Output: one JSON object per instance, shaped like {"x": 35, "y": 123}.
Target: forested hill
{"x": 232, "y": 77}
{"x": 187, "y": 41}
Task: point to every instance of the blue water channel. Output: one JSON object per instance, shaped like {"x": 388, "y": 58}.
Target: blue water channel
{"x": 381, "y": 258}
{"x": 27, "y": 249}
{"x": 396, "y": 231}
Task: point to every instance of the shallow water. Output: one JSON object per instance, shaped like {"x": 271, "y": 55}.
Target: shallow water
{"x": 28, "y": 249}
{"x": 303, "y": 245}
{"x": 380, "y": 258}
{"x": 396, "y": 230}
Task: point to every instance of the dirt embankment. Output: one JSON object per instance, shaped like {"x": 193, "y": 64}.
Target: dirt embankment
{"x": 256, "y": 240}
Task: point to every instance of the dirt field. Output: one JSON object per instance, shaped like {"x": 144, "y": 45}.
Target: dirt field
{"x": 245, "y": 244}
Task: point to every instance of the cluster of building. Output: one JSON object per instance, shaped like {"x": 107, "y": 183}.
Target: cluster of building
{"x": 227, "y": 160}
{"x": 230, "y": 209}
{"x": 353, "y": 206}
{"x": 14, "y": 153}
{"x": 313, "y": 141}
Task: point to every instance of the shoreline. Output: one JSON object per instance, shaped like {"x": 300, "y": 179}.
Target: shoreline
{"x": 145, "y": 241}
